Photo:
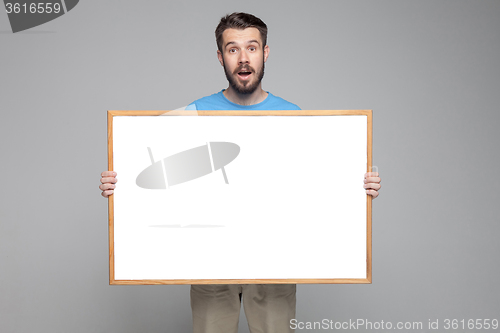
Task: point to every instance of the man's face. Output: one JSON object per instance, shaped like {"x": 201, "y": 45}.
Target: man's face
{"x": 243, "y": 58}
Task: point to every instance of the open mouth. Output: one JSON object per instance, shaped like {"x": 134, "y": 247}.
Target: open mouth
{"x": 244, "y": 75}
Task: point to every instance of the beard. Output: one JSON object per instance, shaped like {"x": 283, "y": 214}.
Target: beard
{"x": 245, "y": 87}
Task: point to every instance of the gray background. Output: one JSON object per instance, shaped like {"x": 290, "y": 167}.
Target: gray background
{"x": 429, "y": 69}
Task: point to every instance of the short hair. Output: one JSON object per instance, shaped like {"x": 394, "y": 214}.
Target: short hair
{"x": 240, "y": 21}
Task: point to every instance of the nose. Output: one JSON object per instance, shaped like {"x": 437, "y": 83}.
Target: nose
{"x": 243, "y": 57}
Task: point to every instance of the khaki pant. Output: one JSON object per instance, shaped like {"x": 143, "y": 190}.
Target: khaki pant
{"x": 268, "y": 307}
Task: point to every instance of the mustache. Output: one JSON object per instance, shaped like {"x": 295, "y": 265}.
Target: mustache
{"x": 244, "y": 68}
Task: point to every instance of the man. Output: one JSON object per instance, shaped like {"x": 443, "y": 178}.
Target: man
{"x": 242, "y": 51}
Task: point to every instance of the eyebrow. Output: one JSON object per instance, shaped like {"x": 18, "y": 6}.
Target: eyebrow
{"x": 249, "y": 42}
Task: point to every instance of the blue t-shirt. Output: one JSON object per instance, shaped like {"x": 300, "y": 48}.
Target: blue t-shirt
{"x": 219, "y": 102}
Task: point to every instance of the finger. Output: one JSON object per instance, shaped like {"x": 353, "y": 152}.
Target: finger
{"x": 109, "y": 180}
{"x": 104, "y": 187}
{"x": 108, "y": 174}
{"x": 371, "y": 174}
{"x": 107, "y": 193}
{"x": 372, "y": 180}
{"x": 373, "y": 186}
{"x": 373, "y": 193}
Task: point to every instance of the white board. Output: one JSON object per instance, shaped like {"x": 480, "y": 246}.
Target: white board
{"x": 291, "y": 206}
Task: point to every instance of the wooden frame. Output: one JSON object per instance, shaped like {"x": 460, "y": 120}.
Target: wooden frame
{"x": 368, "y": 279}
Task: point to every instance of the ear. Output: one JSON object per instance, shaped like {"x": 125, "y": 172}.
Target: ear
{"x": 219, "y": 56}
{"x": 266, "y": 52}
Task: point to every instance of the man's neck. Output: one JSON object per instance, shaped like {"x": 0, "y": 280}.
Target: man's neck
{"x": 256, "y": 97}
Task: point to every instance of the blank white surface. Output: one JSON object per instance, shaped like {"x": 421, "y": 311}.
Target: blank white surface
{"x": 294, "y": 207}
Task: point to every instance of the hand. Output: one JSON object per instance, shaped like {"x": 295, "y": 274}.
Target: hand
{"x": 372, "y": 184}
{"x": 108, "y": 181}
